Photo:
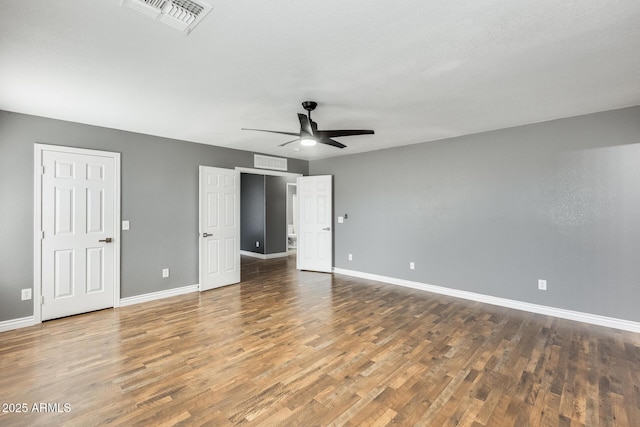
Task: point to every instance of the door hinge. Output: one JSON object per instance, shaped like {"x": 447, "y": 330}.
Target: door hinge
{"x": 42, "y": 300}
{"x": 42, "y": 169}
{"x": 42, "y": 234}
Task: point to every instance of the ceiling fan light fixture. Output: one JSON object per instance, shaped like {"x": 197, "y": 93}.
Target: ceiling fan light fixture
{"x": 309, "y": 134}
{"x": 308, "y": 141}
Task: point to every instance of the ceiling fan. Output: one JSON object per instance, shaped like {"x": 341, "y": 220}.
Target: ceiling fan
{"x": 309, "y": 134}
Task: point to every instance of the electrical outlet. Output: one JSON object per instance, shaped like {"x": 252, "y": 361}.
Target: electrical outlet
{"x": 412, "y": 265}
{"x": 542, "y": 285}
{"x": 165, "y": 272}
{"x": 350, "y": 257}
{"x": 257, "y": 244}
{"x": 26, "y": 294}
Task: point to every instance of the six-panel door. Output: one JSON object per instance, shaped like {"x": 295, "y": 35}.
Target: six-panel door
{"x": 315, "y": 241}
{"x": 78, "y": 194}
{"x": 219, "y": 227}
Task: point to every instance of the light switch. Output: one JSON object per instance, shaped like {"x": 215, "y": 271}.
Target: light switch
{"x": 340, "y": 220}
{"x": 125, "y": 225}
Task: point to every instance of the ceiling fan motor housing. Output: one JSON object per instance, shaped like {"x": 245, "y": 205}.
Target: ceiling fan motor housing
{"x": 309, "y": 105}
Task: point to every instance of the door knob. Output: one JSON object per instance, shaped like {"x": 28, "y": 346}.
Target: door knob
{"x": 206, "y": 234}
{"x": 327, "y": 229}
{"x": 107, "y": 240}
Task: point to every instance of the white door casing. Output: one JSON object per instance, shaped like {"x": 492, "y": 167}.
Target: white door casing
{"x": 77, "y": 212}
{"x": 315, "y": 237}
{"x": 219, "y": 227}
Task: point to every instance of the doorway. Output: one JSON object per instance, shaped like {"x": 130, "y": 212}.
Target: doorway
{"x": 265, "y": 215}
{"x": 292, "y": 218}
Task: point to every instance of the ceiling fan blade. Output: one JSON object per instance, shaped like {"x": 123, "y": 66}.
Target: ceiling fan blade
{"x": 305, "y": 125}
{"x": 274, "y": 131}
{"x": 336, "y": 133}
{"x": 289, "y": 142}
{"x": 329, "y": 141}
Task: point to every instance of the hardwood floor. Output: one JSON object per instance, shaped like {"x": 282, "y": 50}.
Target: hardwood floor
{"x": 297, "y": 348}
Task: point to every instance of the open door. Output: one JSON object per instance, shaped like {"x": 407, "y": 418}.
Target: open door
{"x": 219, "y": 227}
{"x": 315, "y": 238}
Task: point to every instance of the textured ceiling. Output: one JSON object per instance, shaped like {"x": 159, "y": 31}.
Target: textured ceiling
{"x": 412, "y": 70}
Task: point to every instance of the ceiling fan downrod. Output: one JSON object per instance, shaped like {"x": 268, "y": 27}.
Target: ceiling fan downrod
{"x": 309, "y": 106}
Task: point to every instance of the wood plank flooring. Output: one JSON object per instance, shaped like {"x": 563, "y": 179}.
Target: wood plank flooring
{"x": 294, "y": 348}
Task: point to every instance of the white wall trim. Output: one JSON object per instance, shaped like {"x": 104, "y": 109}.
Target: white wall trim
{"x": 264, "y": 256}
{"x": 137, "y": 299}
{"x": 37, "y": 233}
{"x": 22, "y": 322}
{"x": 578, "y": 316}
{"x": 267, "y": 172}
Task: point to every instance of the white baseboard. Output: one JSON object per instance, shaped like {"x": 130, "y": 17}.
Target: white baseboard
{"x": 158, "y": 295}
{"x": 264, "y": 256}
{"x": 594, "y": 319}
{"x": 22, "y": 322}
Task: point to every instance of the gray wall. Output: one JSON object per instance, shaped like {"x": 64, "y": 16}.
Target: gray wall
{"x": 159, "y": 197}
{"x": 276, "y": 210}
{"x": 252, "y": 212}
{"x": 492, "y": 213}
{"x": 291, "y": 190}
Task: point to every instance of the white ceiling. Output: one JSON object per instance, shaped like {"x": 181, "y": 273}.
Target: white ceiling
{"x": 413, "y": 70}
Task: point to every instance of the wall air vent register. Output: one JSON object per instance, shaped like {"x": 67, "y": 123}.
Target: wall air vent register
{"x": 268, "y": 162}
{"x": 182, "y": 15}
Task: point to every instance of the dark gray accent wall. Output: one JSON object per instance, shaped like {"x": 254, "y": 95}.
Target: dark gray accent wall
{"x": 291, "y": 191}
{"x": 263, "y": 213}
{"x": 159, "y": 197}
{"x": 492, "y": 213}
{"x": 276, "y": 209}
{"x": 252, "y": 212}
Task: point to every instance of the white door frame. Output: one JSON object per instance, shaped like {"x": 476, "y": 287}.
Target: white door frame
{"x": 268, "y": 172}
{"x": 290, "y": 204}
{"x": 37, "y": 221}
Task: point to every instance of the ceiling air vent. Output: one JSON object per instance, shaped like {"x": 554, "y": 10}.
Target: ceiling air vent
{"x": 182, "y": 15}
{"x": 268, "y": 162}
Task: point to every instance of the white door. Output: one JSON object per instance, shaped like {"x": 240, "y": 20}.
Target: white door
{"x": 79, "y": 230}
{"x": 219, "y": 227}
{"x": 315, "y": 238}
